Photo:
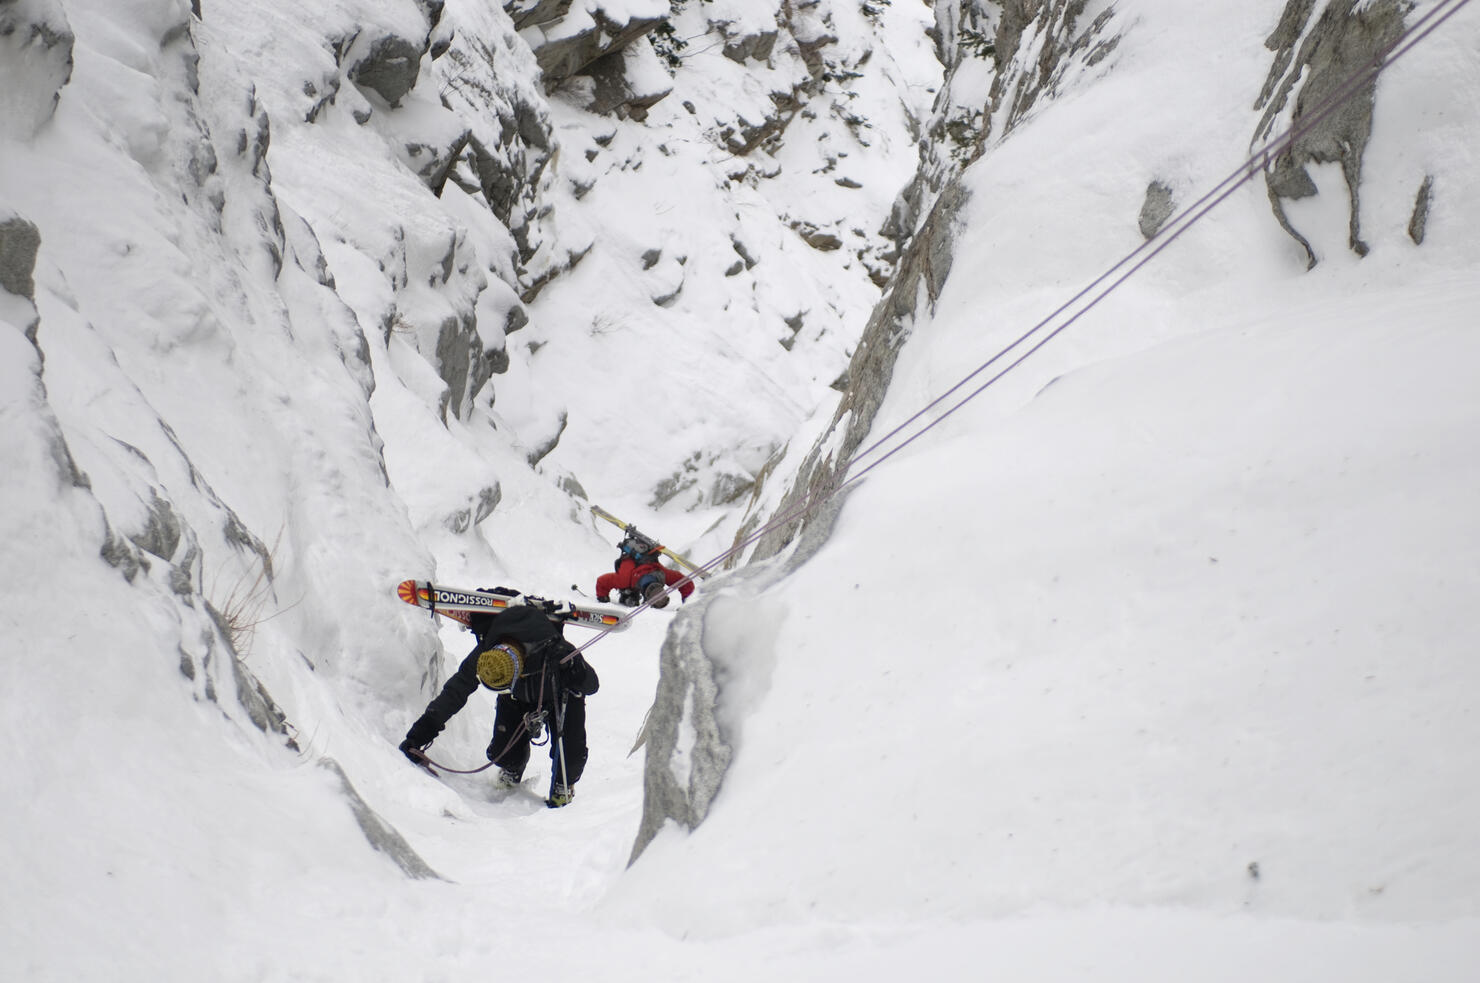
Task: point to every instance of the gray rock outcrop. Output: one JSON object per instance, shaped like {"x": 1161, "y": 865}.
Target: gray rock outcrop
{"x": 1419, "y": 222}
{"x": 687, "y": 751}
{"x": 388, "y": 67}
{"x": 1156, "y": 209}
{"x": 534, "y": 13}
{"x": 1326, "y": 61}
{"x": 19, "y": 243}
{"x": 561, "y": 53}
{"x": 624, "y": 83}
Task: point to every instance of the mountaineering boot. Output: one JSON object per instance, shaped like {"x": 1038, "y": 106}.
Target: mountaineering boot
{"x": 507, "y": 779}
{"x": 655, "y": 591}
{"x": 560, "y": 795}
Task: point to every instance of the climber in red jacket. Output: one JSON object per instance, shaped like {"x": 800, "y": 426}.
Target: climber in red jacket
{"x": 637, "y": 575}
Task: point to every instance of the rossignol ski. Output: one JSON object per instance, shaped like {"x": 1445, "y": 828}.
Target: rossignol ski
{"x": 460, "y": 604}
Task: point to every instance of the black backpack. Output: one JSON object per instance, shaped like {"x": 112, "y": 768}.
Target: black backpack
{"x": 639, "y": 549}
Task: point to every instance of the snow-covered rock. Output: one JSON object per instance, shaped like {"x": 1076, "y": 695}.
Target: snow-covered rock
{"x": 36, "y": 44}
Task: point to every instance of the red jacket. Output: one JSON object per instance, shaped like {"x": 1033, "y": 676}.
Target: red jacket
{"x": 629, "y": 573}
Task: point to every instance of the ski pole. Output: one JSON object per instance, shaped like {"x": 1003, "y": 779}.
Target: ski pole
{"x": 560, "y": 740}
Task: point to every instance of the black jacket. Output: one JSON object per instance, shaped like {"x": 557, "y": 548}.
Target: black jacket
{"x": 543, "y": 680}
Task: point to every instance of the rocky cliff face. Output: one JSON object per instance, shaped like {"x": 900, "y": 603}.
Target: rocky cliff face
{"x": 1325, "y": 59}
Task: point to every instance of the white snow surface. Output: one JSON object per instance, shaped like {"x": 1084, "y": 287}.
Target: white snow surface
{"x": 1154, "y": 662}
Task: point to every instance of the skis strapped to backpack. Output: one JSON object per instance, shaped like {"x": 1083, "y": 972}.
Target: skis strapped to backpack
{"x": 461, "y": 604}
{"x": 631, "y": 530}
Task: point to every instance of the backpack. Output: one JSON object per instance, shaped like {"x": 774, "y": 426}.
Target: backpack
{"x": 638, "y": 549}
{"x": 478, "y": 623}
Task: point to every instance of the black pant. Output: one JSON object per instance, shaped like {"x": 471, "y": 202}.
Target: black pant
{"x": 509, "y": 748}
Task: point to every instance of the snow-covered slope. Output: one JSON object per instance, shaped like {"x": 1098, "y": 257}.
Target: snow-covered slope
{"x": 1176, "y": 614}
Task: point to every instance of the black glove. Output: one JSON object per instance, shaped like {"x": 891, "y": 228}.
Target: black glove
{"x": 413, "y": 751}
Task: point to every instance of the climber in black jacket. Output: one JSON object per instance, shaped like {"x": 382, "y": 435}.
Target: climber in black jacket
{"x": 519, "y": 655}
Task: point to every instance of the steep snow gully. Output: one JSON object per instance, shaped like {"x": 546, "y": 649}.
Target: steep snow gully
{"x": 1149, "y": 656}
